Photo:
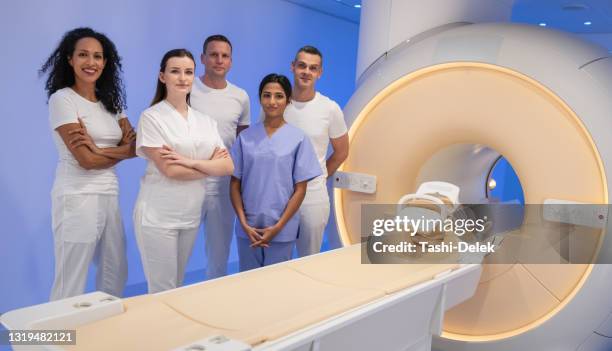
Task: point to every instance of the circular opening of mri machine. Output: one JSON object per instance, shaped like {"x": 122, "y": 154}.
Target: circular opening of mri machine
{"x": 406, "y": 125}
{"x": 482, "y": 174}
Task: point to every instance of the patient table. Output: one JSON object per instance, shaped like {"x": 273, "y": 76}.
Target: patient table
{"x": 329, "y": 301}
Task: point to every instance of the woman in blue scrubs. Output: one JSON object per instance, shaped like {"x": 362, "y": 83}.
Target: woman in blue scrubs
{"x": 273, "y": 161}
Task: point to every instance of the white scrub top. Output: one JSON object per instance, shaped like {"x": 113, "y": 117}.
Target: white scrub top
{"x": 65, "y": 106}
{"x": 321, "y": 119}
{"x": 230, "y": 108}
{"x": 169, "y": 203}
{"x": 268, "y": 168}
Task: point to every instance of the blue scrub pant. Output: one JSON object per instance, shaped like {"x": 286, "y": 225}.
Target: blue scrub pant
{"x": 256, "y": 257}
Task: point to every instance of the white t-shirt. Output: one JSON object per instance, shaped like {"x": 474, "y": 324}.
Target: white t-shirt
{"x": 321, "y": 119}
{"x": 65, "y": 106}
{"x": 230, "y": 107}
{"x": 169, "y": 203}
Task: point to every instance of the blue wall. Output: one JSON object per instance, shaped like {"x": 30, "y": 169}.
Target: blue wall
{"x": 265, "y": 34}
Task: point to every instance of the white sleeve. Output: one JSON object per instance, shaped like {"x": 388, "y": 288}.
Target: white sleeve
{"x": 149, "y": 134}
{"x": 337, "y": 126}
{"x": 218, "y": 142}
{"x": 245, "y": 117}
{"x": 61, "y": 110}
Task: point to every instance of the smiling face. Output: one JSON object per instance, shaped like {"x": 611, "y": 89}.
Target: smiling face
{"x": 307, "y": 69}
{"x": 87, "y": 60}
{"x": 217, "y": 59}
{"x": 178, "y": 75}
{"x": 273, "y": 100}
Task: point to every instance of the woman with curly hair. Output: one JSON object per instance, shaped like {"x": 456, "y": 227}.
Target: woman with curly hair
{"x": 91, "y": 134}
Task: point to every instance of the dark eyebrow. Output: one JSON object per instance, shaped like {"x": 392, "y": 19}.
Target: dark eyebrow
{"x": 95, "y": 52}
{"x": 186, "y": 69}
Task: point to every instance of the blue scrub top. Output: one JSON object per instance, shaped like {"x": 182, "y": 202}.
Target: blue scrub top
{"x": 268, "y": 168}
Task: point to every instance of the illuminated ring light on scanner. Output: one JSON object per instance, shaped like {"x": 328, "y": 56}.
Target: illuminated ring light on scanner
{"x": 539, "y": 98}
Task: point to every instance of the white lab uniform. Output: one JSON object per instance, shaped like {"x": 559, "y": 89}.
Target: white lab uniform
{"x": 230, "y": 108}
{"x": 168, "y": 211}
{"x": 321, "y": 119}
{"x": 85, "y": 207}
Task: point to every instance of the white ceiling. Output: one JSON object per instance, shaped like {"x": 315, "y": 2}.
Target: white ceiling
{"x": 566, "y": 15}
{"x": 343, "y": 9}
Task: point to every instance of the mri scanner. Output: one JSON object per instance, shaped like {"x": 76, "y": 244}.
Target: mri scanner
{"x": 442, "y": 94}
{"x": 448, "y": 98}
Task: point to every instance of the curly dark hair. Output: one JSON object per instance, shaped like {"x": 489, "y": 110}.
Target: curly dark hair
{"x": 109, "y": 87}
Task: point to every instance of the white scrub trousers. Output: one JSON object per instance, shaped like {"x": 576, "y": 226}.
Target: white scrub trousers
{"x": 218, "y": 216}
{"x": 88, "y": 227}
{"x": 164, "y": 253}
{"x": 313, "y": 219}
